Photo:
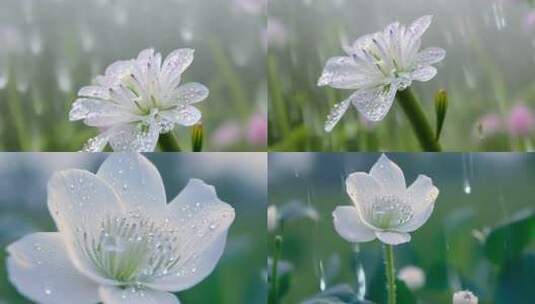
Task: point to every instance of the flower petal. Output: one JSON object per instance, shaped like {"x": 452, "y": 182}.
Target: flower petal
{"x": 362, "y": 188}
{"x": 39, "y": 267}
{"x": 187, "y": 116}
{"x": 429, "y": 56}
{"x": 344, "y": 73}
{"x": 133, "y": 295}
{"x": 337, "y": 112}
{"x": 203, "y": 221}
{"x": 136, "y": 181}
{"x": 76, "y": 198}
{"x": 424, "y": 74}
{"x": 389, "y": 175}
{"x": 100, "y": 113}
{"x": 178, "y": 61}
{"x": 418, "y": 220}
{"x": 420, "y": 25}
{"x": 393, "y": 238}
{"x": 191, "y": 93}
{"x": 374, "y": 103}
{"x": 422, "y": 193}
{"x": 134, "y": 137}
{"x": 348, "y": 224}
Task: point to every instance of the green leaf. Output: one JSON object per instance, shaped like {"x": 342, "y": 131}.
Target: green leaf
{"x": 441, "y": 108}
{"x": 516, "y": 281}
{"x": 507, "y": 242}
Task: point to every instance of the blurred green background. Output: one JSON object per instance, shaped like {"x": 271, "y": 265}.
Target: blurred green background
{"x": 239, "y": 178}
{"x": 488, "y": 73}
{"x": 51, "y": 48}
{"x": 478, "y": 192}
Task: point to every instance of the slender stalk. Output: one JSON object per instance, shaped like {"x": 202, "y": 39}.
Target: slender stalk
{"x": 390, "y": 273}
{"x": 274, "y": 292}
{"x": 168, "y": 143}
{"x": 420, "y": 124}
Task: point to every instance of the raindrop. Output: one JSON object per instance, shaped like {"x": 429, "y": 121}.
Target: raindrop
{"x": 467, "y": 170}
{"x": 48, "y": 291}
{"x": 323, "y": 284}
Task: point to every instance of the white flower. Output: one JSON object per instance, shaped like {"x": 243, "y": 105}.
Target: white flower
{"x": 118, "y": 240}
{"x": 413, "y": 276}
{"x": 464, "y": 297}
{"x": 383, "y": 207}
{"x": 136, "y": 100}
{"x": 377, "y": 66}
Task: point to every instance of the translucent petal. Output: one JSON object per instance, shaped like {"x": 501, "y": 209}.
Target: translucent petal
{"x": 418, "y": 220}
{"x": 76, "y": 198}
{"x": 133, "y": 295}
{"x": 191, "y": 93}
{"x": 422, "y": 193}
{"x": 424, "y": 74}
{"x": 178, "y": 61}
{"x": 100, "y": 113}
{"x": 348, "y": 224}
{"x": 203, "y": 220}
{"x": 362, "y": 188}
{"x": 337, "y": 112}
{"x": 187, "y": 116}
{"x": 39, "y": 267}
{"x": 134, "y": 138}
{"x": 343, "y": 73}
{"x": 389, "y": 175}
{"x": 94, "y": 92}
{"x": 136, "y": 181}
{"x": 429, "y": 56}
{"x": 115, "y": 73}
{"x": 374, "y": 103}
{"x": 420, "y": 25}
{"x": 393, "y": 238}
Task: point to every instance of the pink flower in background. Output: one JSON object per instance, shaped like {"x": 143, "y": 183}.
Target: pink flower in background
{"x": 227, "y": 134}
{"x": 276, "y": 33}
{"x": 258, "y": 130}
{"x": 529, "y": 20}
{"x": 489, "y": 124}
{"x": 520, "y": 121}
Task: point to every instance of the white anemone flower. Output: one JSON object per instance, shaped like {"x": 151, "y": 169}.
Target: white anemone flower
{"x": 464, "y": 297}
{"x": 118, "y": 240}
{"x": 377, "y": 66}
{"x": 413, "y": 276}
{"x": 136, "y": 100}
{"x": 384, "y": 207}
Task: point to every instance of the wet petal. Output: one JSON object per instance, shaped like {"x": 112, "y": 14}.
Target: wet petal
{"x": 203, "y": 220}
{"x": 424, "y": 74}
{"x": 389, "y": 175}
{"x": 420, "y": 25}
{"x": 422, "y": 193}
{"x": 348, "y": 224}
{"x": 343, "y": 73}
{"x": 115, "y": 73}
{"x": 100, "y": 113}
{"x": 191, "y": 93}
{"x": 134, "y": 137}
{"x": 429, "y": 56}
{"x": 393, "y": 238}
{"x": 374, "y": 103}
{"x": 76, "y": 199}
{"x": 94, "y": 92}
{"x": 178, "y": 61}
{"x": 362, "y": 188}
{"x": 39, "y": 267}
{"x": 137, "y": 182}
{"x": 187, "y": 116}
{"x": 418, "y": 220}
{"x": 132, "y": 295}
{"x": 337, "y": 112}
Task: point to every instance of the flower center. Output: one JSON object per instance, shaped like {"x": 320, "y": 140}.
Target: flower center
{"x": 389, "y": 211}
{"x": 132, "y": 249}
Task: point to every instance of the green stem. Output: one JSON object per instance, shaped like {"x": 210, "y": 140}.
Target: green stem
{"x": 274, "y": 292}
{"x": 420, "y": 124}
{"x": 390, "y": 273}
{"x": 168, "y": 143}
